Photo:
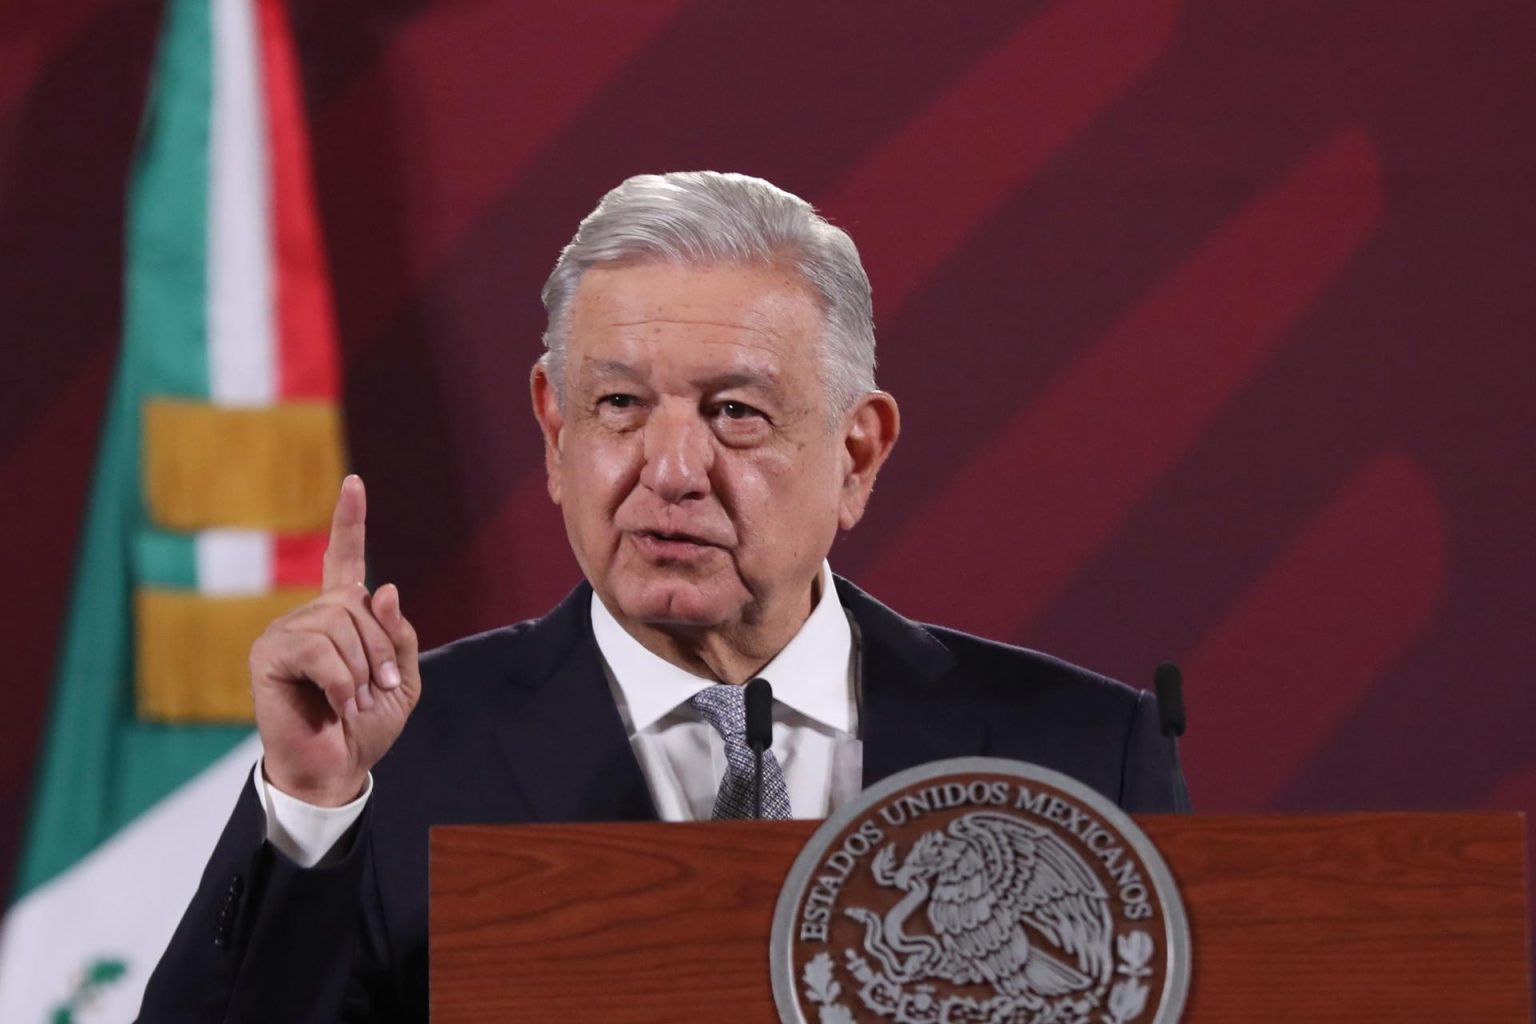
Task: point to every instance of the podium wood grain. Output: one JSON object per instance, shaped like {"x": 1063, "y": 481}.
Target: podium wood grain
{"x": 1368, "y": 917}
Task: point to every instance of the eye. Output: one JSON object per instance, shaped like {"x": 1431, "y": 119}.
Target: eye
{"x": 737, "y": 411}
{"x": 620, "y": 411}
{"x": 739, "y": 424}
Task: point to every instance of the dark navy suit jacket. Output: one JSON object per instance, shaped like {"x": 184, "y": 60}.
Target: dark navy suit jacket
{"x": 518, "y": 725}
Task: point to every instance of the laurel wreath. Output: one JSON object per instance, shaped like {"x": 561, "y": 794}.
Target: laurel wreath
{"x": 1129, "y": 996}
{"x": 1127, "y": 999}
{"x": 823, "y": 989}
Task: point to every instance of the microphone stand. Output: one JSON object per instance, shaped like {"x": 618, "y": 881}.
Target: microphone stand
{"x": 757, "y": 784}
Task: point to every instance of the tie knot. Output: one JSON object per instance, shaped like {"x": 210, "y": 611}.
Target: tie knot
{"x": 724, "y": 707}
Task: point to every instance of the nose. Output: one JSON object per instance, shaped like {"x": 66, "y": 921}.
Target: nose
{"x": 679, "y": 453}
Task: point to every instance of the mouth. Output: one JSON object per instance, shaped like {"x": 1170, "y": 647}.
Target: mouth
{"x": 663, "y": 544}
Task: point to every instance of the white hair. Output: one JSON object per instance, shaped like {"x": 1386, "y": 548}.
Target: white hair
{"x": 708, "y": 218}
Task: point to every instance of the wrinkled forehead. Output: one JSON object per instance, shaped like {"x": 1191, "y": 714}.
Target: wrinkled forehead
{"x": 762, "y": 320}
{"x": 766, "y": 290}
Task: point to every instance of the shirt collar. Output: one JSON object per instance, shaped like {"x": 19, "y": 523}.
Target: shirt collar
{"x": 810, "y": 674}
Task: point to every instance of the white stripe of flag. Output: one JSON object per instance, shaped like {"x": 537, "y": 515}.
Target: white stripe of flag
{"x": 242, "y": 362}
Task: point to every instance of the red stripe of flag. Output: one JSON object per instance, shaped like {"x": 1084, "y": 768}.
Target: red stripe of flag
{"x": 307, "y": 359}
{"x": 297, "y": 559}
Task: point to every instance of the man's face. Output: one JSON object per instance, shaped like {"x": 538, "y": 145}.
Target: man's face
{"x": 700, "y": 476}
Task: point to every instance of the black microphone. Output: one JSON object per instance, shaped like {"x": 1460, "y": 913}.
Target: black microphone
{"x": 1169, "y": 683}
{"x": 759, "y": 698}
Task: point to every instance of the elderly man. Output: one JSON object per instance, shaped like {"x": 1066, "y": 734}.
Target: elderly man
{"x": 710, "y": 421}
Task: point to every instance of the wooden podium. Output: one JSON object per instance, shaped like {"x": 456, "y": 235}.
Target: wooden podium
{"x": 1354, "y": 917}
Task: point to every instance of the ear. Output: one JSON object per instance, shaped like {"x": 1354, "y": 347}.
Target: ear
{"x": 870, "y": 432}
{"x": 546, "y": 409}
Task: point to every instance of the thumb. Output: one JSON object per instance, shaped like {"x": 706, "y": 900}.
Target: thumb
{"x": 386, "y": 608}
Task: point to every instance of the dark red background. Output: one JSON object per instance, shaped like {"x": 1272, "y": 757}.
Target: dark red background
{"x": 1211, "y": 325}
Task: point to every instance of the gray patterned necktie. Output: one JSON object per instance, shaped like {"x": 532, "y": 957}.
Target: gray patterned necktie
{"x": 724, "y": 707}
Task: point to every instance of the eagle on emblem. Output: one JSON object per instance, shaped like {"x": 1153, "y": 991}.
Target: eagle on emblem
{"x": 1008, "y": 903}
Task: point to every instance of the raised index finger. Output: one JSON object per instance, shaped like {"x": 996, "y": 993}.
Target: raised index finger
{"x": 345, "y": 561}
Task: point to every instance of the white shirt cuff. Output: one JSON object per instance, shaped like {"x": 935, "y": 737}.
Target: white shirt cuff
{"x": 308, "y": 834}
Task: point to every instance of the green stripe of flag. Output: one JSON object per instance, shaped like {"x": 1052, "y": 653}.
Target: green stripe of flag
{"x": 165, "y": 332}
{"x": 163, "y": 558}
{"x": 99, "y": 767}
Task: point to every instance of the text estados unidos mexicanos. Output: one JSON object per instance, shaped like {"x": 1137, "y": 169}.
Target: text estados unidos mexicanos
{"x": 816, "y": 910}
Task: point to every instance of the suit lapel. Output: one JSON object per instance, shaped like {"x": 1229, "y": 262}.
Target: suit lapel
{"x": 910, "y": 712}
{"x": 561, "y": 734}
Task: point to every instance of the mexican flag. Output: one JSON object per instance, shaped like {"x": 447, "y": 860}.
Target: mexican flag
{"x": 220, "y": 460}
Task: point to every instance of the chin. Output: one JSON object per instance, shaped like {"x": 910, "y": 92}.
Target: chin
{"x": 675, "y": 603}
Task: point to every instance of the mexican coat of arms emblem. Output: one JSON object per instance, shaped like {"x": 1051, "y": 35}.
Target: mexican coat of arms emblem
{"x": 980, "y": 891}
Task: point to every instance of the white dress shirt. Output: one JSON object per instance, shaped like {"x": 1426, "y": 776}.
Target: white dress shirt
{"x": 815, "y": 731}
{"x": 815, "y": 716}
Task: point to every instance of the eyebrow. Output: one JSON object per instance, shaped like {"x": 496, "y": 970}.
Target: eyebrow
{"x": 613, "y": 369}
{"x": 739, "y": 379}
{"x": 609, "y": 369}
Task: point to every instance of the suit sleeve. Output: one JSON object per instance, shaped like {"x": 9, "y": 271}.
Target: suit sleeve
{"x": 1151, "y": 781}
{"x": 267, "y": 940}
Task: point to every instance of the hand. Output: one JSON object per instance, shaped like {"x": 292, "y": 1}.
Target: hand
{"x": 335, "y": 680}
